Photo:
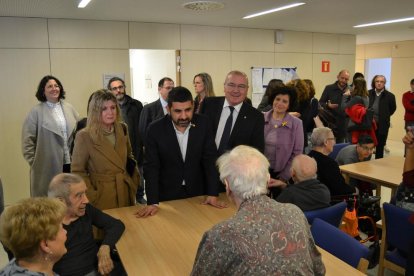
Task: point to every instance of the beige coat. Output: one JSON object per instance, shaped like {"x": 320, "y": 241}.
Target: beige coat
{"x": 42, "y": 144}
{"x": 102, "y": 166}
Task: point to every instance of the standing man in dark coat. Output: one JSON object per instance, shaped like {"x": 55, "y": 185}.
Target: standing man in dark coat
{"x": 157, "y": 109}
{"x": 331, "y": 100}
{"x": 180, "y": 155}
{"x": 131, "y": 112}
{"x": 384, "y": 105}
{"x": 247, "y": 124}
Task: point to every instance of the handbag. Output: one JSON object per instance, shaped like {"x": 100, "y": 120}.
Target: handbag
{"x": 351, "y": 220}
{"x": 131, "y": 164}
{"x": 366, "y": 123}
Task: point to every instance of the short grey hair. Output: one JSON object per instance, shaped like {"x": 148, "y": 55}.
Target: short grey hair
{"x": 319, "y": 136}
{"x": 246, "y": 171}
{"x": 60, "y": 185}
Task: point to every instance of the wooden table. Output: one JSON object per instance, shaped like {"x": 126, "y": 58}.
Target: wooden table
{"x": 385, "y": 172}
{"x": 166, "y": 244}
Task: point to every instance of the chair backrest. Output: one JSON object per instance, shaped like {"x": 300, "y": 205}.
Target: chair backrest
{"x": 336, "y": 149}
{"x": 399, "y": 230}
{"x": 338, "y": 243}
{"x": 332, "y": 214}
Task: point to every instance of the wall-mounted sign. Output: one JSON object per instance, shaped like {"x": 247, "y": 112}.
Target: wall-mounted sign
{"x": 326, "y": 66}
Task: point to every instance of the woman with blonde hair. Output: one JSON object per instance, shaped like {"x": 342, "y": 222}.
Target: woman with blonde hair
{"x": 203, "y": 86}
{"x": 101, "y": 152}
{"x": 32, "y": 229}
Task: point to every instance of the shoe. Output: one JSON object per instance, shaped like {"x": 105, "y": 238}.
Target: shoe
{"x": 141, "y": 201}
{"x": 386, "y": 149}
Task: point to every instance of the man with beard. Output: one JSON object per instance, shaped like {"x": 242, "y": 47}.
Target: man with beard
{"x": 180, "y": 156}
{"x": 131, "y": 112}
{"x": 331, "y": 99}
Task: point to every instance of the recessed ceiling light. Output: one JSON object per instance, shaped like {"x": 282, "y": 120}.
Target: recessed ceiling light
{"x": 274, "y": 10}
{"x": 202, "y": 6}
{"x": 384, "y": 22}
{"x": 83, "y": 3}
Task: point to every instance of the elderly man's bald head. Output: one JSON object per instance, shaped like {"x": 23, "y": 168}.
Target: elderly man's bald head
{"x": 303, "y": 168}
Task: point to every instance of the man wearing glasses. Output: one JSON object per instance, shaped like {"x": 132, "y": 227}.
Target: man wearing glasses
{"x": 234, "y": 121}
{"x": 358, "y": 153}
{"x": 157, "y": 109}
{"x": 131, "y": 111}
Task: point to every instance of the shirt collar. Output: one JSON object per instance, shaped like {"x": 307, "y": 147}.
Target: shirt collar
{"x": 164, "y": 103}
{"x": 179, "y": 132}
{"x": 236, "y": 107}
{"x": 49, "y": 104}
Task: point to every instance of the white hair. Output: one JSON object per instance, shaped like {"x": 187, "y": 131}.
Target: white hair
{"x": 246, "y": 170}
{"x": 305, "y": 167}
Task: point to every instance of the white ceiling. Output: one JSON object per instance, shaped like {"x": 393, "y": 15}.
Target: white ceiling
{"x": 327, "y": 16}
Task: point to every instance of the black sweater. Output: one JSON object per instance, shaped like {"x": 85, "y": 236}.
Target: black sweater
{"x": 81, "y": 257}
{"x": 330, "y": 175}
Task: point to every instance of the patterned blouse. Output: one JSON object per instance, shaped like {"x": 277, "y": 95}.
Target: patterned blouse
{"x": 263, "y": 238}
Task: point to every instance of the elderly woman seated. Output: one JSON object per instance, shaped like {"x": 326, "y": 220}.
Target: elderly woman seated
{"x": 323, "y": 140}
{"x": 32, "y": 230}
{"x": 264, "y": 237}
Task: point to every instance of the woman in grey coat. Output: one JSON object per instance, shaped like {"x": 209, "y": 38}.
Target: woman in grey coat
{"x": 47, "y": 135}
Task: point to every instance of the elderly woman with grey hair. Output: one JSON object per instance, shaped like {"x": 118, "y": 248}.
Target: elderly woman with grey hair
{"x": 323, "y": 141}
{"x": 255, "y": 240}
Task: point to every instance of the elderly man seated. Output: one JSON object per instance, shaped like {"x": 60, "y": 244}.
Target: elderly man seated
{"x": 264, "y": 237}
{"x": 323, "y": 140}
{"x": 307, "y": 192}
{"x": 83, "y": 256}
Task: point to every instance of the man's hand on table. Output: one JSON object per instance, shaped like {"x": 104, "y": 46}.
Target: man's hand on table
{"x": 213, "y": 201}
{"x": 147, "y": 211}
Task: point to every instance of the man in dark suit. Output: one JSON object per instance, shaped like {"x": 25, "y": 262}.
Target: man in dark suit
{"x": 247, "y": 123}
{"x": 157, "y": 109}
{"x": 384, "y": 105}
{"x": 180, "y": 156}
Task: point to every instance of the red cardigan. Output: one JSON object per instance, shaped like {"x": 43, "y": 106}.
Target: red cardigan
{"x": 356, "y": 113}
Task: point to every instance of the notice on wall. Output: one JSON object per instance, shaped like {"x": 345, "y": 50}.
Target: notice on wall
{"x": 261, "y": 77}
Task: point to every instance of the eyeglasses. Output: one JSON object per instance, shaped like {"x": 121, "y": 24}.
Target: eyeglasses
{"x": 233, "y": 85}
{"x": 53, "y": 86}
{"x": 367, "y": 148}
{"x": 333, "y": 139}
{"x": 117, "y": 88}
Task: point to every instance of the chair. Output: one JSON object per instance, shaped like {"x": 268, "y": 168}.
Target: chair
{"x": 340, "y": 244}
{"x": 336, "y": 149}
{"x": 397, "y": 232}
{"x": 332, "y": 214}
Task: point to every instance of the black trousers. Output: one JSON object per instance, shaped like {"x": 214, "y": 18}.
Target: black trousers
{"x": 382, "y": 139}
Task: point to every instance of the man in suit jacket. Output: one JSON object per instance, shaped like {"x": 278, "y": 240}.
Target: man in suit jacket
{"x": 384, "y": 105}
{"x": 247, "y": 122}
{"x": 180, "y": 156}
{"x": 157, "y": 109}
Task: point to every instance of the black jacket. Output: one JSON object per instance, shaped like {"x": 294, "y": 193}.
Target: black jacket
{"x": 387, "y": 107}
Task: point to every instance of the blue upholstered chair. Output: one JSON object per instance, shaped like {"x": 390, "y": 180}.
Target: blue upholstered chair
{"x": 340, "y": 244}
{"x": 336, "y": 149}
{"x": 332, "y": 214}
{"x": 397, "y": 232}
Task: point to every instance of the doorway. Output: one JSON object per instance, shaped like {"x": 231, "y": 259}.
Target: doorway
{"x": 148, "y": 67}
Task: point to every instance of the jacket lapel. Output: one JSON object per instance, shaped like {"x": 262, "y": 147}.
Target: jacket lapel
{"x": 49, "y": 122}
{"x": 110, "y": 152}
{"x": 240, "y": 121}
{"x": 172, "y": 136}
